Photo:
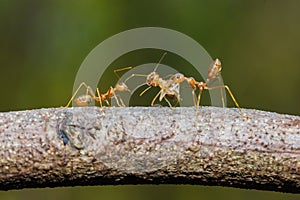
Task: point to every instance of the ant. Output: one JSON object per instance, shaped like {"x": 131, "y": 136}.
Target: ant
{"x": 86, "y": 99}
{"x": 171, "y": 86}
{"x": 213, "y": 72}
{"x": 168, "y": 87}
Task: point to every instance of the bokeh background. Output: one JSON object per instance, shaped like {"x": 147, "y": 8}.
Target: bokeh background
{"x": 43, "y": 43}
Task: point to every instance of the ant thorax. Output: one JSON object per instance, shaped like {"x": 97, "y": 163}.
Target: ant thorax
{"x": 165, "y": 84}
{"x": 110, "y": 92}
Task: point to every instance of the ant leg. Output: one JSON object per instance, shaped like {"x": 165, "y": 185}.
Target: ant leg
{"x": 133, "y": 75}
{"x": 197, "y": 105}
{"x": 131, "y": 92}
{"x": 163, "y": 96}
{"x": 235, "y": 102}
{"x": 232, "y": 97}
{"x": 194, "y": 98}
{"x": 221, "y": 92}
{"x": 152, "y": 103}
{"x": 168, "y": 102}
{"x": 107, "y": 103}
{"x": 122, "y": 103}
{"x": 100, "y": 100}
{"x": 177, "y": 99}
{"x": 115, "y": 96}
{"x": 122, "y": 69}
{"x": 199, "y": 98}
{"x": 177, "y": 102}
{"x": 87, "y": 90}
{"x": 145, "y": 90}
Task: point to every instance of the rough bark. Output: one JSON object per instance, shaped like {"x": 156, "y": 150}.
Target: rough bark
{"x": 149, "y": 145}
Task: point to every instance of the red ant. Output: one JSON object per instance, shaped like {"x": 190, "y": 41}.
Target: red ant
{"x": 168, "y": 87}
{"x": 213, "y": 72}
{"x": 171, "y": 86}
{"x": 86, "y": 99}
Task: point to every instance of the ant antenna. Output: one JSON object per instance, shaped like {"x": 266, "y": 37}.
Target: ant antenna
{"x": 162, "y": 57}
{"x": 119, "y": 70}
{"x": 142, "y": 75}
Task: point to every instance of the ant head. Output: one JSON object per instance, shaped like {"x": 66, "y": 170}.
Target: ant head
{"x": 122, "y": 87}
{"x": 152, "y": 79}
{"x": 83, "y": 100}
{"x": 178, "y": 78}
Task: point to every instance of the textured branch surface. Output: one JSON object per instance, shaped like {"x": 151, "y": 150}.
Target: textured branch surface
{"x": 144, "y": 145}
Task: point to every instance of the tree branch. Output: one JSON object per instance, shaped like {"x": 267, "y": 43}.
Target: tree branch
{"x": 149, "y": 145}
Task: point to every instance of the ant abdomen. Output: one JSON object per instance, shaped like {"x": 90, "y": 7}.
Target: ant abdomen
{"x": 83, "y": 100}
{"x": 214, "y": 69}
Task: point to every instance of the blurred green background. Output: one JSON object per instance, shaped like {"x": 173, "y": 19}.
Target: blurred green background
{"x": 44, "y": 42}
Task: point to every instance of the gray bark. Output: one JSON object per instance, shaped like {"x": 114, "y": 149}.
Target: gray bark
{"x": 149, "y": 145}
